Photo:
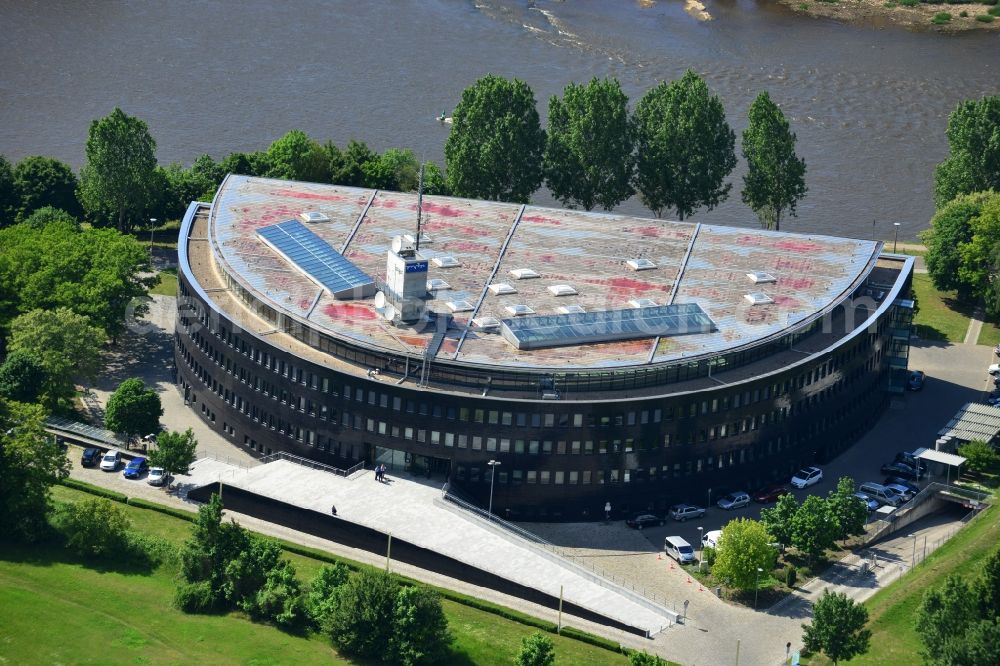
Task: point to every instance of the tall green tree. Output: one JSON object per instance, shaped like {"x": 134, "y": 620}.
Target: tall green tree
{"x": 848, "y": 510}
{"x": 22, "y": 377}
{"x": 45, "y": 181}
{"x": 744, "y": 547}
{"x": 973, "y": 162}
{"x": 495, "y": 147}
{"x": 10, "y": 200}
{"x": 297, "y": 157}
{"x": 95, "y": 528}
{"x": 978, "y": 268}
{"x": 775, "y": 178}
{"x": 66, "y": 344}
{"x": 950, "y": 231}
{"x": 944, "y": 616}
{"x": 30, "y": 463}
{"x": 348, "y": 167}
{"x": 47, "y": 215}
{"x": 117, "y": 181}
{"x": 322, "y": 590}
{"x": 174, "y": 452}
{"x": 685, "y": 147}
{"x": 814, "y": 527}
{"x": 987, "y": 587}
{"x": 205, "y": 557}
{"x": 395, "y": 169}
{"x": 979, "y": 456}
{"x": 133, "y": 409}
{"x": 589, "y": 151}
{"x": 838, "y": 627}
{"x": 100, "y": 273}
{"x": 778, "y": 519}
{"x": 246, "y": 164}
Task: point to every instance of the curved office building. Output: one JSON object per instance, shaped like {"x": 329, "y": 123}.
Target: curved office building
{"x": 597, "y": 358}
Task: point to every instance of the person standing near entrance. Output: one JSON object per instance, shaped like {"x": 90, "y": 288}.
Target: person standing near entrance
{"x": 607, "y": 510}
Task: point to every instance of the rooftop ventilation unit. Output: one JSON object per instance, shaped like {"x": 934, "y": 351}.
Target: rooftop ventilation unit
{"x": 758, "y": 277}
{"x": 562, "y": 290}
{"x": 424, "y": 239}
{"x": 569, "y": 309}
{"x": 643, "y": 303}
{"x": 447, "y": 261}
{"x": 501, "y": 288}
{"x": 437, "y": 284}
{"x": 519, "y": 310}
{"x": 486, "y": 323}
{"x": 640, "y": 264}
{"x": 524, "y": 274}
{"x": 313, "y": 216}
{"x": 460, "y": 306}
{"x": 758, "y": 298}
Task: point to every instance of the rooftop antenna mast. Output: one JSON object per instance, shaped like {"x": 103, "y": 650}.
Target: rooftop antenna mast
{"x": 420, "y": 203}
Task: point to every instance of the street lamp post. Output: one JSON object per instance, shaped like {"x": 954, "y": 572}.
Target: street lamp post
{"x": 709, "y": 498}
{"x": 895, "y": 236}
{"x": 913, "y": 555}
{"x": 493, "y": 469}
{"x": 152, "y": 223}
{"x": 701, "y": 547}
{"x": 756, "y": 587}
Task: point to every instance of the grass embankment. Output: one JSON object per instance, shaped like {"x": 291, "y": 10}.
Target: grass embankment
{"x": 989, "y": 335}
{"x": 112, "y": 615}
{"x": 892, "y": 609}
{"x": 941, "y": 316}
{"x": 167, "y": 286}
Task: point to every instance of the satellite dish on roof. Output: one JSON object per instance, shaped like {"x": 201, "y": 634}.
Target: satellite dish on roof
{"x": 389, "y": 312}
{"x": 379, "y": 300}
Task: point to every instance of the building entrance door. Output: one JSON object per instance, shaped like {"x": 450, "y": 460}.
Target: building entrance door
{"x": 411, "y": 463}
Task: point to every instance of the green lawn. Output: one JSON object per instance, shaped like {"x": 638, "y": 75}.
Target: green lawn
{"x": 115, "y": 616}
{"x": 167, "y": 286}
{"x": 990, "y": 335}
{"x": 941, "y": 316}
{"x": 894, "y": 640}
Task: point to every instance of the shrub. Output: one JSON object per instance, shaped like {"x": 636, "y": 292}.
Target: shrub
{"x": 420, "y": 629}
{"x": 196, "y": 597}
{"x": 536, "y": 650}
{"x": 169, "y": 510}
{"x": 963, "y": 13}
{"x": 94, "y": 490}
{"x": 989, "y": 2}
{"x": 361, "y": 620}
{"x": 94, "y": 528}
{"x": 280, "y": 598}
{"x": 708, "y": 555}
{"x": 890, "y": 4}
{"x": 909, "y": 3}
{"x": 941, "y": 18}
{"x": 790, "y": 577}
{"x": 984, "y": 18}
{"x": 994, "y": 11}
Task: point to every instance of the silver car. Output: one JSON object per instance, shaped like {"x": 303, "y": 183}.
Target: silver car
{"x": 735, "y": 500}
{"x": 157, "y": 476}
{"x": 682, "y": 512}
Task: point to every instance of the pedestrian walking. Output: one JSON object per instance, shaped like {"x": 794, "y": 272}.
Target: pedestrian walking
{"x": 383, "y": 473}
{"x": 607, "y": 510}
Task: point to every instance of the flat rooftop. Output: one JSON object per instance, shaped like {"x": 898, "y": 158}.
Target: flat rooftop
{"x": 694, "y": 263}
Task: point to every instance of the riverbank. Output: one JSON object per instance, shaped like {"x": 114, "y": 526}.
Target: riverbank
{"x": 883, "y": 13}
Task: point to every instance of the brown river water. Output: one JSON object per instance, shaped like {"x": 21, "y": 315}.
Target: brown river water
{"x": 869, "y": 103}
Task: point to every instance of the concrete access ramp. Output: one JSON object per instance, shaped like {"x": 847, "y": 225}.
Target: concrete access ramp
{"x": 424, "y": 533}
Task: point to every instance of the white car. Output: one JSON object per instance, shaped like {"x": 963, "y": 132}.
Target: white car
{"x": 157, "y": 476}
{"x": 807, "y": 476}
{"x": 994, "y": 369}
{"x": 110, "y": 461}
{"x": 711, "y": 539}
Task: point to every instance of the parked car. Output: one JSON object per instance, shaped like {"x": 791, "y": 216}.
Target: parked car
{"x": 91, "y": 457}
{"x": 711, "y": 539}
{"x": 110, "y": 461}
{"x": 157, "y": 476}
{"x": 679, "y": 549}
{"x": 902, "y": 491}
{"x": 907, "y": 458}
{"x": 770, "y": 493}
{"x": 880, "y": 493}
{"x": 736, "y": 500}
{"x": 994, "y": 369}
{"x": 897, "y": 481}
{"x": 682, "y": 512}
{"x": 869, "y": 502}
{"x": 916, "y": 381}
{"x": 807, "y": 476}
{"x": 644, "y": 520}
{"x": 135, "y": 468}
{"x": 901, "y": 469}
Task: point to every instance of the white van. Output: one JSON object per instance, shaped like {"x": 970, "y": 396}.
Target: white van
{"x": 679, "y": 549}
{"x": 880, "y": 493}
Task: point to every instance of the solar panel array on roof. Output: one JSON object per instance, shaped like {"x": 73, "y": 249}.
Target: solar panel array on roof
{"x": 606, "y": 326}
{"x": 313, "y": 256}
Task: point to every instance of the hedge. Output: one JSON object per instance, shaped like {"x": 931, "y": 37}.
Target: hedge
{"x": 140, "y": 503}
{"x": 95, "y": 490}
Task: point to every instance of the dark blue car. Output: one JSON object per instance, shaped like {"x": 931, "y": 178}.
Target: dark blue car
{"x": 136, "y": 468}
